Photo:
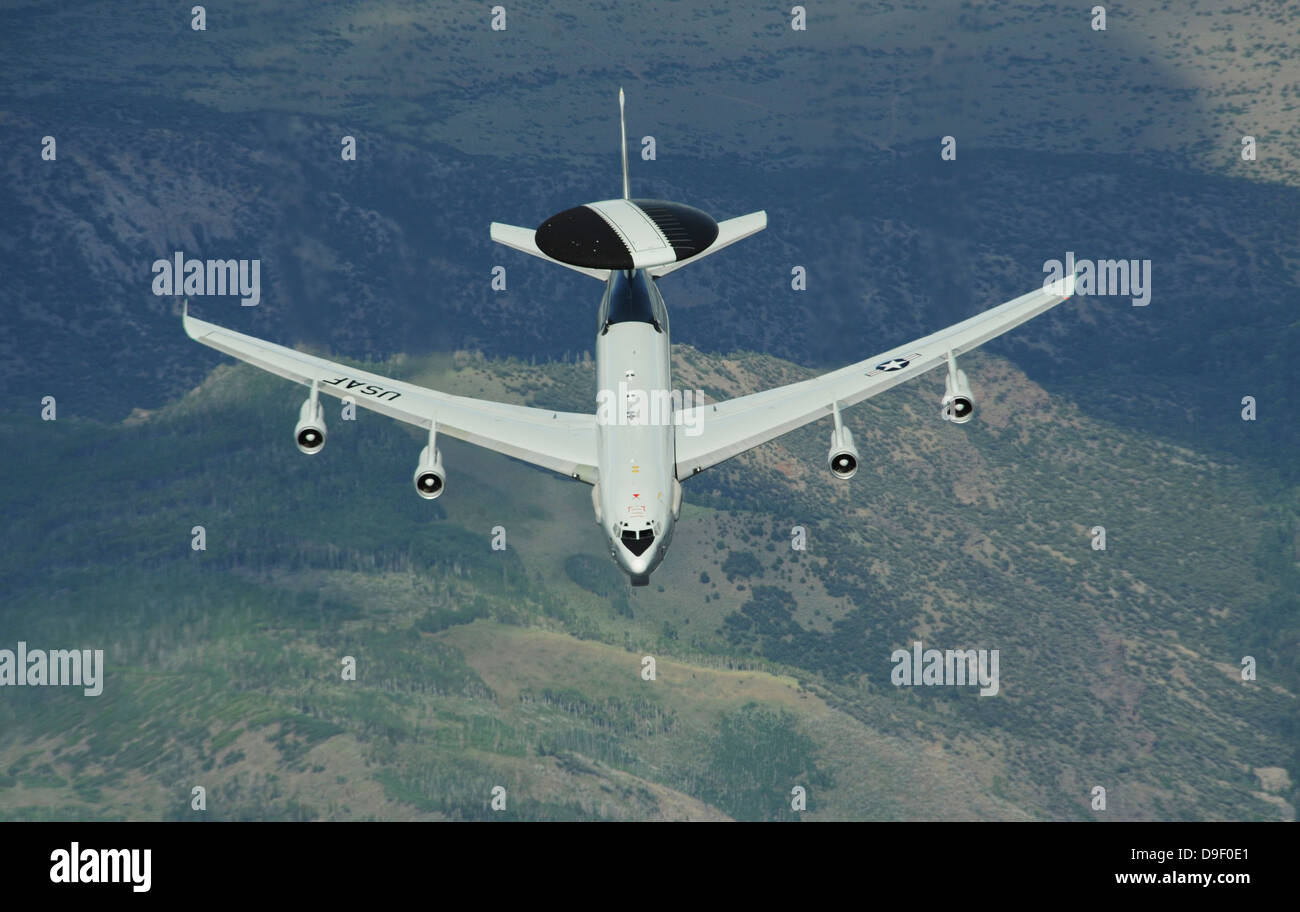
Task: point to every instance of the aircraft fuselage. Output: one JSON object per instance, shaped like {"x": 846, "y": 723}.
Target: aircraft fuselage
{"x": 638, "y": 495}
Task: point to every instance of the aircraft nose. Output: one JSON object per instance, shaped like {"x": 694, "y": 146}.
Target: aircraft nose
{"x": 637, "y": 565}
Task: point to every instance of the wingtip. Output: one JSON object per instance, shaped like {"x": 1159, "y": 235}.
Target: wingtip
{"x": 187, "y": 322}
{"x": 1063, "y": 288}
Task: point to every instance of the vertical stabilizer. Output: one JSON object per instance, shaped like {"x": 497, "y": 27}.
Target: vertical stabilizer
{"x": 622, "y": 131}
{"x": 625, "y": 234}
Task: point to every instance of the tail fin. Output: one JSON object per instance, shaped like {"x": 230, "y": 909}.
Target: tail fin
{"x": 729, "y": 231}
{"x": 622, "y": 131}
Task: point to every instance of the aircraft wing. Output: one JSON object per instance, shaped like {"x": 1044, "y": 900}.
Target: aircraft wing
{"x": 563, "y": 442}
{"x": 726, "y": 429}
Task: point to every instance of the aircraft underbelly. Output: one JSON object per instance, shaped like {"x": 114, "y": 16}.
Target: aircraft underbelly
{"x": 634, "y": 430}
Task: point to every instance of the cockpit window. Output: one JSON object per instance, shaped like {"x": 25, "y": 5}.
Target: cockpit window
{"x": 631, "y": 300}
{"x": 637, "y": 542}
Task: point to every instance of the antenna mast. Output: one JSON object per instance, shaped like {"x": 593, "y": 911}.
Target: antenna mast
{"x": 622, "y": 129}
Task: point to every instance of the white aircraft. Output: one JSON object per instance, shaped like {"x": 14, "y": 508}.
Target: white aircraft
{"x": 639, "y": 446}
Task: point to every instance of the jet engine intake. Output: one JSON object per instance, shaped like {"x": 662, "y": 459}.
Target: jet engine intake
{"x": 843, "y": 457}
{"x": 310, "y": 432}
{"x": 430, "y": 478}
{"x": 958, "y": 404}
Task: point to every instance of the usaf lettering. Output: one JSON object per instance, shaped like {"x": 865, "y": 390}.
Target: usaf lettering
{"x": 360, "y": 386}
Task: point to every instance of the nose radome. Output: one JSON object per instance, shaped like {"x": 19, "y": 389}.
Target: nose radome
{"x": 637, "y": 565}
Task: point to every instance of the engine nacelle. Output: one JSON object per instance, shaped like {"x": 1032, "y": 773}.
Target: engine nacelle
{"x": 430, "y": 478}
{"x": 843, "y": 457}
{"x": 310, "y": 432}
{"x": 958, "y": 404}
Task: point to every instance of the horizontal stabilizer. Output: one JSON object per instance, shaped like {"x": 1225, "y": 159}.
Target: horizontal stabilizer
{"x": 729, "y": 232}
{"x": 525, "y": 239}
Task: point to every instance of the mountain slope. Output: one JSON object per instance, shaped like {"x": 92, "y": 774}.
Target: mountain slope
{"x": 521, "y": 668}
